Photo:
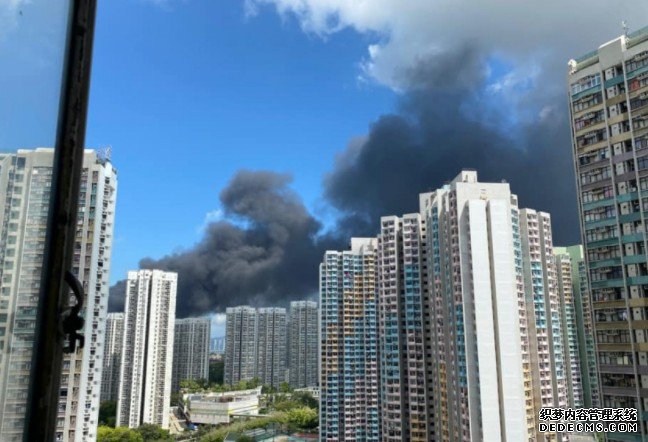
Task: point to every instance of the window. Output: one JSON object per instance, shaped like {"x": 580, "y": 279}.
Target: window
{"x": 595, "y": 175}
{"x": 599, "y": 213}
{"x": 586, "y": 83}
{"x": 39, "y": 29}
{"x": 589, "y": 119}
{"x": 642, "y": 163}
{"x": 591, "y": 138}
{"x": 598, "y": 194}
{"x": 588, "y": 101}
{"x": 638, "y": 61}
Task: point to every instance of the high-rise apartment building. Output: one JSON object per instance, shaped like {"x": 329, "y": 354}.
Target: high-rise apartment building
{"x": 349, "y": 372}
{"x": 255, "y": 345}
{"x": 240, "y": 344}
{"x": 543, "y": 310}
{"x": 472, "y": 302}
{"x": 525, "y": 324}
{"x": 147, "y": 351}
{"x": 609, "y": 120}
{"x": 271, "y": 346}
{"x": 567, "y": 310}
{"x": 303, "y": 338}
{"x": 479, "y": 376}
{"x": 403, "y": 300}
{"x": 25, "y": 182}
{"x": 190, "y": 350}
{"x": 112, "y": 356}
{"x": 584, "y": 325}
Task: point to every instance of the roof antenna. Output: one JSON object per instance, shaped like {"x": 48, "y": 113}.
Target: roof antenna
{"x": 624, "y": 25}
{"x": 104, "y": 153}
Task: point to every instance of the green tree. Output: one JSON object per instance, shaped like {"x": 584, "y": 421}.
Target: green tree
{"x": 305, "y": 399}
{"x": 108, "y": 413}
{"x": 153, "y": 433}
{"x": 303, "y": 418}
{"x": 194, "y": 384}
{"x": 268, "y": 389}
{"x": 119, "y": 434}
{"x": 284, "y": 387}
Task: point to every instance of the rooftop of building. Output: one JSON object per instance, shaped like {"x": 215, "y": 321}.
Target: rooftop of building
{"x": 224, "y": 396}
{"x": 628, "y": 41}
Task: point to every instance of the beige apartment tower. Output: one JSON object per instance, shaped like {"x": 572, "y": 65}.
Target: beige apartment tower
{"x": 608, "y": 98}
{"x": 147, "y": 350}
{"x": 25, "y": 181}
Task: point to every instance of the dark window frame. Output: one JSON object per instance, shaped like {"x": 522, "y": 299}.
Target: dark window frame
{"x": 53, "y": 303}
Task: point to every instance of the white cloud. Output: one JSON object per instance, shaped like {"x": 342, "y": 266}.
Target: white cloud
{"x": 218, "y": 324}
{"x": 406, "y": 31}
{"x": 210, "y": 217}
{"x": 219, "y": 319}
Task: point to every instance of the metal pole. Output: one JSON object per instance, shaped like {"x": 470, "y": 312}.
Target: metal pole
{"x": 45, "y": 379}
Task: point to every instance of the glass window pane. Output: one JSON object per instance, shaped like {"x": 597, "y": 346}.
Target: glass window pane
{"x": 32, "y": 49}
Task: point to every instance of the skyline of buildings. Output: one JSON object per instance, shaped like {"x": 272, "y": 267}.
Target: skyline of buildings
{"x": 609, "y": 127}
{"x": 460, "y": 358}
{"x": 190, "y": 350}
{"x": 256, "y": 345}
{"x": 149, "y": 317}
{"x": 458, "y": 322}
{"x": 25, "y": 183}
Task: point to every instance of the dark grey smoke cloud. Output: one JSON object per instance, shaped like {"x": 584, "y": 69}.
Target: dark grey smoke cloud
{"x": 269, "y": 255}
{"x": 270, "y": 252}
{"x": 442, "y": 129}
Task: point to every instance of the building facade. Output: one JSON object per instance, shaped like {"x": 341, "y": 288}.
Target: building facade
{"x": 112, "y": 357}
{"x": 147, "y": 351}
{"x": 255, "y": 345}
{"x": 25, "y": 182}
{"x": 567, "y": 309}
{"x": 349, "y": 371}
{"x": 543, "y": 310}
{"x": 479, "y": 379}
{"x": 405, "y": 361}
{"x": 190, "y": 350}
{"x": 218, "y": 345}
{"x": 584, "y": 326}
{"x": 271, "y": 346}
{"x": 240, "y": 344}
{"x": 303, "y": 344}
{"x": 477, "y": 322}
{"x": 218, "y": 408}
{"x": 609, "y": 120}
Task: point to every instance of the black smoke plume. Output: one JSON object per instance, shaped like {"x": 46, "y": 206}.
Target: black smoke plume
{"x": 269, "y": 250}
{"x": 267, "y": 255}
{"x": 442, "y": 129}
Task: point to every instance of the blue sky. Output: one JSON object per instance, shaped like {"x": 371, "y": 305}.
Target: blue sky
{"x": 189, "y": 93}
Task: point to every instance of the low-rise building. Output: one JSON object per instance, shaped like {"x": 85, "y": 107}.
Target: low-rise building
{"x": 218, "y": 408}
